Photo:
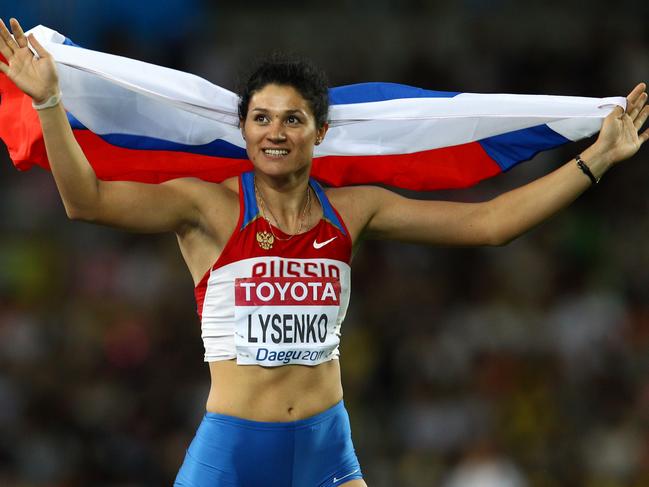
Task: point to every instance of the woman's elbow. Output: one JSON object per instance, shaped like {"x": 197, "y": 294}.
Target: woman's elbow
{"x": 496, "y": 230}
{"x": 499, "y": 237}
{"x": 78, "y": 213}
{"x": 502, "y": 241}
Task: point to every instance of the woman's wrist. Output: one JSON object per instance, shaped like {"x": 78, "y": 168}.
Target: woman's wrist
{"x": 596, "y": 160}
{"x": 46, "y": 95}
{"x": 50, "y": 102}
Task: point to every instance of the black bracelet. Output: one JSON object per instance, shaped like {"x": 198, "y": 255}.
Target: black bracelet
{"x": 586, "y": 170}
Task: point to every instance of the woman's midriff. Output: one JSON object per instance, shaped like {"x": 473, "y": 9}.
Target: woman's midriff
{"x": 286, "y": 393}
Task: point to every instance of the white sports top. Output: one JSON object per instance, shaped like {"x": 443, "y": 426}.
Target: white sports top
{"x": 275, "y": 302}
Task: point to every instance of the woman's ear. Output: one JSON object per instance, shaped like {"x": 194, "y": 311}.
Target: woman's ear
{"x": 243, "y": 133}
{"x": 321, "y": 133}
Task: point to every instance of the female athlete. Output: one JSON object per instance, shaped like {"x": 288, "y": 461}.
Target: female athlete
{"x": 269, "y": 253}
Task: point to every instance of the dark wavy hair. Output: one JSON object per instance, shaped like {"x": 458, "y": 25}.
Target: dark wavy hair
{"x": 304, "y": 76}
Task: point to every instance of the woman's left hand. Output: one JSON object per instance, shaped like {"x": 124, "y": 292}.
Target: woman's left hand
{"x": 620, "y": 136}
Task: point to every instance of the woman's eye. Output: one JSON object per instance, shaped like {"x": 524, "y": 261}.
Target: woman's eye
{"x": 292, "y": 120}
{"x": 261, "y": 118}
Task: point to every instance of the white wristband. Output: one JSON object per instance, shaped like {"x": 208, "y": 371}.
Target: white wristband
{"x": 52, "y": 101}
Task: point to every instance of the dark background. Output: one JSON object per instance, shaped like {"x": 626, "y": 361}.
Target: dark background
{"x": 524, "y": 365}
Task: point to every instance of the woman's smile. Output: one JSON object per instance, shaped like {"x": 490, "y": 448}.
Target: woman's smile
{"x": 275, "y": 153}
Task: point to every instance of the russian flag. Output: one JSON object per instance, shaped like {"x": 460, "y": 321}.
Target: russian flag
{"x": 140, "y": 122}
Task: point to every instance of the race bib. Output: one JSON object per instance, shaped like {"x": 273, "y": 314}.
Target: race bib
{"x": 286, "y": 320}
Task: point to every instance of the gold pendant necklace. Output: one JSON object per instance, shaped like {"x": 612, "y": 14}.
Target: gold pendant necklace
{"x": 265, "y": 239}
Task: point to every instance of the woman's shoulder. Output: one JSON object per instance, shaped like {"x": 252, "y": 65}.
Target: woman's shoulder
{"x": 355, "y": 204}
{"x": 347, "y": 191}
{"x": 200, "y": 186}
{"x": 214, "y": 200}
{"x": 354, "y": 195}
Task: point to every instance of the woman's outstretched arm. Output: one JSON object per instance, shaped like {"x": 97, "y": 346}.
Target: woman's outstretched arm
{"x": 133, "y": 206}
{"x": 387, "y": 215}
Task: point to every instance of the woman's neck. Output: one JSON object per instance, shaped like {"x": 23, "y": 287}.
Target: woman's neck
{"x": 286, "y": 203}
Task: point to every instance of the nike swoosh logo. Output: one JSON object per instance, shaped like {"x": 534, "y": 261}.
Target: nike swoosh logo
{"x": 319, "y": 245}
{"x": 337, "y": 479}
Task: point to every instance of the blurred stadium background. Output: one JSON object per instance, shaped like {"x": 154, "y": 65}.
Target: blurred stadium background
{"x": 521, "y": 366}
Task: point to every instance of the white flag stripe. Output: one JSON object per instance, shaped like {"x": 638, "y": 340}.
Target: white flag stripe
{"x": 115, "y": 95}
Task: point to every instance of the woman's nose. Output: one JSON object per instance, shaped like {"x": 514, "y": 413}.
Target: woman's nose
{"x": 276, "y": 131}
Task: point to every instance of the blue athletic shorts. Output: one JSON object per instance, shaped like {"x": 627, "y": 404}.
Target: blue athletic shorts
{"x": 235, "y": 452}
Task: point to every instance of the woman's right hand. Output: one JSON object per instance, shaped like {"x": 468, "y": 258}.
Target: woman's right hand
{"x": 35, "y": 76}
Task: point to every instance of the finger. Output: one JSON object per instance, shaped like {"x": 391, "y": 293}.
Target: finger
{"x": 636, "y": 92}
{"x": 636, "y": 101}
{"x": 644, "y": 136}
{"x": 641, "y": 118}
{"x": 40, "y": 50}
{"x": 4, "y": 69}
{"x": 19, "y": 35}
{"x": 635, "y": 108}
{"x": 5, "y": 50}
{"x": 617, "y": 112}
{"x": 7, "y": 38}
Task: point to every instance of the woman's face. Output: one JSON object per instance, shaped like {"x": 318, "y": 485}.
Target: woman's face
{"x": 280, "y": 131}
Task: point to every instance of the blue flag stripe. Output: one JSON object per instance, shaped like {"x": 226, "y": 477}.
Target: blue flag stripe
{"x": 216, "y": 148}
{"x": 368, "y": 92}
{"x": 521, "y": 145}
